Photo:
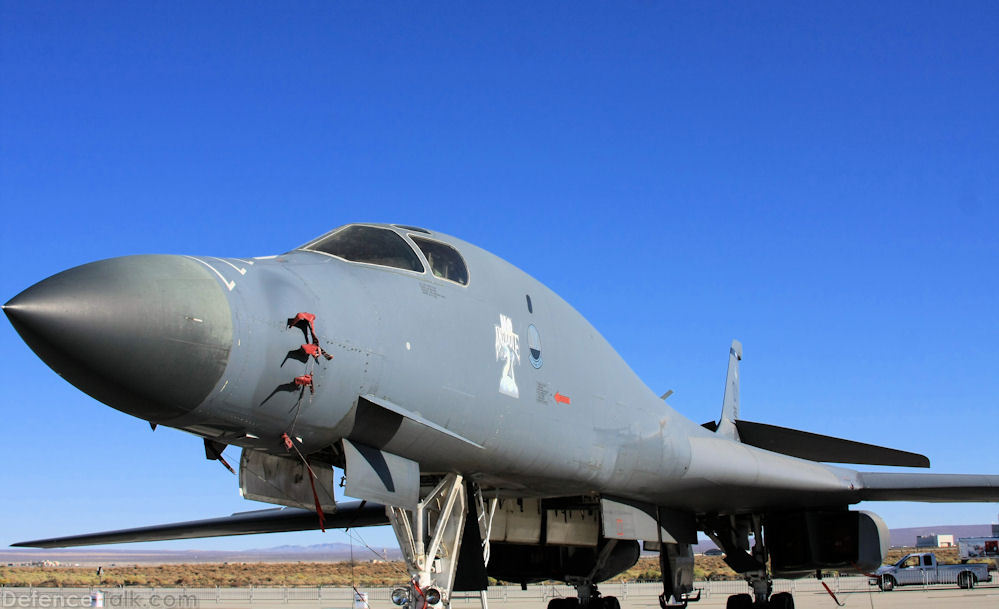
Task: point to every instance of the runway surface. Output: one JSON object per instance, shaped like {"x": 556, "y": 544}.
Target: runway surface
{"x": 852, "y": 592}
{"x": 980, "y": 598}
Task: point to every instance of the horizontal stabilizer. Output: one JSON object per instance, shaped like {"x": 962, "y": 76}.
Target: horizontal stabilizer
{"x": 929, "y": 487}
{"x": 276, "y": 520}
{"x": 816, "y": 447}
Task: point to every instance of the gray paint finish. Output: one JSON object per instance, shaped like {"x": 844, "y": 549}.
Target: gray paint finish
{"x": 580, "y": 423}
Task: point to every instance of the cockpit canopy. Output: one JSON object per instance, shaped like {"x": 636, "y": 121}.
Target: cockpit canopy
{"x": 385, "y": 247}
{"x": 369, "y": 244}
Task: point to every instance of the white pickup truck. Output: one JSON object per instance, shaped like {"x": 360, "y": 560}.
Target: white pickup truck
{"x": 923, "y": 569}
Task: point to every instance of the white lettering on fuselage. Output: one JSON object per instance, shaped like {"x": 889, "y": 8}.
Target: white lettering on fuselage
{"x": 507, "y": 351}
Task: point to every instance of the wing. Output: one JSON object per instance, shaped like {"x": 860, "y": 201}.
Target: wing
{"x": 929, "y": 487}
{"x": 276, "y": 520}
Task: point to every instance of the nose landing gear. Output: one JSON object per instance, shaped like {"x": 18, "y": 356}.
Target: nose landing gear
{"x": 432, "y": 565}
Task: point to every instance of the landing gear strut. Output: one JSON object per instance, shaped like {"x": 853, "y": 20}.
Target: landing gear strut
{"x": 431, "y": 559}
{"x": 731, "y": 534}
{"x": 587, "y": 594}
{"x": 588, "y": 597}
{"x": 760, "y": 580}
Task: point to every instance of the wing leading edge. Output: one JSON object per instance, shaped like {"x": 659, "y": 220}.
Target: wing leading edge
{"x": 276, "y": 520}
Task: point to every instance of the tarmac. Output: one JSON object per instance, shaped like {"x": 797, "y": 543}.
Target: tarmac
{"x": 851, "y": 592}
{"x": 979, "y": 598}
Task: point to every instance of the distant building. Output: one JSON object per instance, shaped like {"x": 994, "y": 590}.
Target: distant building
{"x": 935, "y": 541}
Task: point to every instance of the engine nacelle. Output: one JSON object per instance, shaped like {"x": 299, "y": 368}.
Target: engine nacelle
{"x": 803, "y": 542}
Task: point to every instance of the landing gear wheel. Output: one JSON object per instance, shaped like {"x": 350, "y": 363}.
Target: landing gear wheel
{"x": 610, "y": 602}
{"x": 886, "y": 583}
{"x": 782, "y": 600}
{"x": 739, "y": 601}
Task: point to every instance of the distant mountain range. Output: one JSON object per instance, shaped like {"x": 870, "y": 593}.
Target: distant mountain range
{"x": 341, "y": 551}
{"x": 322, "y": 548}
{"x": 327, "y": 552}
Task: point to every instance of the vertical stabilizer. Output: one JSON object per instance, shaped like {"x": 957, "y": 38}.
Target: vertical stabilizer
{"x": 730, "y": 404}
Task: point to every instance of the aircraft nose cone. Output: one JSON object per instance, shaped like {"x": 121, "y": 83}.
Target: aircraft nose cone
{"x": 148, "y": 335}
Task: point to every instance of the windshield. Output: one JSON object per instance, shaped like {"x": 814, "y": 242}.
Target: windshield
{"x": 908, "y": 561}
{"x": 369, "y": 244}
{"x": 445, "y": 261}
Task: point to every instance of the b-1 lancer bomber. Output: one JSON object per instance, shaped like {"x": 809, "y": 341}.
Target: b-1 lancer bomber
{"x": 466, "y": 405}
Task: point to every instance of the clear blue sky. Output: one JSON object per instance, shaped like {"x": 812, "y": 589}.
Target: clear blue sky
{"x": 821, "y": 182}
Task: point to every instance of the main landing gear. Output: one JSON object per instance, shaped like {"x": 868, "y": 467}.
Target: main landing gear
{"x": 588, "y": 598}
{"x": 587, "y": 594}
{"x": 731, "y": 534}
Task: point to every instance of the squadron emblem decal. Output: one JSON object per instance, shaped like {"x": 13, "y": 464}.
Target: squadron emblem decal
{"x": 507, "y": 351}
{"x": 534, "y": 346}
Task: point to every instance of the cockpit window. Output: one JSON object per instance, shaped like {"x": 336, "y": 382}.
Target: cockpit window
{"x": 369, "y": 244}
{"x": 445, "y": 261}
{"x": 415, "y": 229}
